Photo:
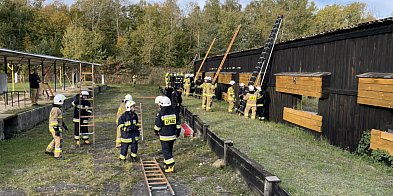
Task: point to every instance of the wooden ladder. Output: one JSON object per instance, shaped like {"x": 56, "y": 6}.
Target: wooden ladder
{"x": 47, "y": 88}
{"x": 154, "y": 177}
{"x": 88, "y": 85}
{"x": 139, "y": 112}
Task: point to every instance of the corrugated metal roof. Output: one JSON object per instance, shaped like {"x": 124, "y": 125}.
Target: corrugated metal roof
{"x": 19, "y": 57}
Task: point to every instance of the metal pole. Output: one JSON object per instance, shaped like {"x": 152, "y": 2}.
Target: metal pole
{"x": 5, "y": 65}
{"x": 64, "y": 74}
{"x": 54, "y": 74}
{"x": 42, "y": 72}
{"x": 29, "y": 65}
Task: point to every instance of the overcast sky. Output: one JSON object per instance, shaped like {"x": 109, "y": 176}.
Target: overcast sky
{"x": 380, "y": 8}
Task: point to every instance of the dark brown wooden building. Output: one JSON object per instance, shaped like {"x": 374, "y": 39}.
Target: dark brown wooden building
{"x": 344, "y": 54}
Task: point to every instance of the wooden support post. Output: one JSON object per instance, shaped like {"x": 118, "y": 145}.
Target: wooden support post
{"x": 5, "y": 65}
{"x": 64, "y": 75}
{"x": 270, "y": 183}
{"x": 227, "y": 143}
{"x": 226, "y": 54}
{"x": 204, "y": 59}
{"x": 204, "y": 131}
{"x": 42, "y": 72}
{"x": 28, "y": 75}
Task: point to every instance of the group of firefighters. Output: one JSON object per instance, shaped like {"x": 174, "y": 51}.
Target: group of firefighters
{"x": 167, "y": 126}
{"x": 252, "y": 99}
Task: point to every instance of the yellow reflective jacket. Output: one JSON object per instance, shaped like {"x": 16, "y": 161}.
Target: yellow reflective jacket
{"x": 55, "y": 118}
{"x": 120, "y": 111}
{"x": 231, "y": 94}
{"x": 251, "y": 99}
{"x": 208, "y": 89}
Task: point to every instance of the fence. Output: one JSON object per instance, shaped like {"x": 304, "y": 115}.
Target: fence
{"x": 260, "y": 181}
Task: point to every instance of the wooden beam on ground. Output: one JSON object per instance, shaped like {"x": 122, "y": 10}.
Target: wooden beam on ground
{"x": 226, "y": 54}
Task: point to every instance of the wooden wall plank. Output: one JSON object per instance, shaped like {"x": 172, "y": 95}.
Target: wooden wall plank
{"x": 309, "y": 86}
{"x": 244, "y": 77}
{"x": 304, "y": 119}
{"x": 375, "y": 81}
{"x": 375, "y": 102}
{"x": 381, "y": 140}
{"x": 376, "y": 95}
{"x": 376, "y": 87}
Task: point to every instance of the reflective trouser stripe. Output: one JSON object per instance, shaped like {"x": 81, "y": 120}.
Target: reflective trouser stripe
{"x": 167, "y": 138}
{"x": 77, "y": 137}
{"x": 156, "y": 128}
{"x": 128, "y": 140}
{"x": 178, "y": 126}
{"x": 259, "y": 105}
{"x": 118, "y": 139}
{"x": 76, "y": 120}
{"x": 133, "y": 155}
{"x": 85, "y": 137}
{"x": 58, "y": 150}
{"x": 122, "y": 157}
{"x": 169, "y": 161}
{"x": 50, "y": 146}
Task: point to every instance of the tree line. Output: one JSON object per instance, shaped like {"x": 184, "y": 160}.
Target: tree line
{"x": 144, "y": 34}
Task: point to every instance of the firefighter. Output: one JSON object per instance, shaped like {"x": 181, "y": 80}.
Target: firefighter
{"x": 176, "y": 100}
{"x": 167, "y": 79}
{"x": 192, "y": 84}
{"x": 260, "y": 103}
{"x": 251, "y": 99}
{"x": 55, "y": 127}
{"x": 134, "y": 79}
{"x": 241, "y": 103}
{"x": 187, "y": 85}
{"x": 81, "y": 106}
{"x": 204, "y": 89}
{"x": 167, "y": 126}
{"x": 120, "y": 111}
{"x": 231, "y": 96}
{"x": 198, "y": 88}
{"x": 210, "y": 93}
{"x": 129, "y": 128}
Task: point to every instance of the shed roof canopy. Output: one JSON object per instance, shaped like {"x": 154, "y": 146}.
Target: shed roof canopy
{"x": 18, "y": 57}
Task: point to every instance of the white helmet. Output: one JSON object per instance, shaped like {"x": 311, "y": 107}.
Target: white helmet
{"x": 165, "y": 101}
{"x": 187, "y": 75}
{"x": 158, "y": 99}
{"x": 251, "y": 88}
{"x": 59, "y": 99}
{"x": 128, "y": 97}
{"x": 85, "y": 93}
{"x": 258, "y": 88}
{"x": 232, "y": 82}
{"x": 206, "y": 78}
{"x": 241, "y": 84}
{"x": 129, "y": 105}
{"x": 209, "y": 78}
{"x": 191, "y": 75}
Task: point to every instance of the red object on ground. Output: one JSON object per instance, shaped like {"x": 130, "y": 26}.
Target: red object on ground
{"x": 187, "y": 130}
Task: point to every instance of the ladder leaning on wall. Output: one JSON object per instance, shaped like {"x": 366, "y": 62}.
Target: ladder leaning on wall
{"x": 86, "y": 75}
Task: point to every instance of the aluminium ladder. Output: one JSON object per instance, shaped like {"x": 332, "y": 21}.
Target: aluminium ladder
{"x": 87, "y": 84}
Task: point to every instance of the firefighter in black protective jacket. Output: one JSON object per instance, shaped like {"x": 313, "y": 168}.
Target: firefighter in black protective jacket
{"x": 80, "y": 103}
{"x": 129, "y": 129}
{"x": 167, "y": 126}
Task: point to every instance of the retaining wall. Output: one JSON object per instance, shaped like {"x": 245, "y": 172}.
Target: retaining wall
{"x": 27, "y": 120}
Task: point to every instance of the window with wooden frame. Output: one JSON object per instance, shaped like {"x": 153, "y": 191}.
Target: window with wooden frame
{"x": 311, "y": 87}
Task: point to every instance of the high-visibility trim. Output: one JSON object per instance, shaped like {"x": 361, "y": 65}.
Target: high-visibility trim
{"x": 85, "y": 137}
{"x": 120, "y": 126}
{"x": 51, "y": 129}
{"x": 259, "y": 105}
{"x": 126, "y": 140}
{"x": 76, "y": 120}
{"x": 118, "y": 139}
{"x": 169, "y": 161}
{"x": 128, "y": 123}
{"x": 178, "y": 126}
{"x": 77, "y": 137}
{"x": 60, "y": 117}
{"x": 54, "y": 124}
{"x": 122, "y": 157}
{"x": 156, "y": 128}
{"x": 58, "y": 150}
{"x": 85, "y": 121}
{"x": 133, "y": 155}
{"x": 50, "y": 146}
{"x": 136, "y": 138}
{"x": 167, "y": 138}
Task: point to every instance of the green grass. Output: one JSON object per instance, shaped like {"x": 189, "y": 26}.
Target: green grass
{"x": 90, "y": 170}
{"x": 306, "y": 166}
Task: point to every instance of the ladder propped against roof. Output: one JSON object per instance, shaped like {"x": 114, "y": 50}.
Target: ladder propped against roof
{"x": 88, "y": 84}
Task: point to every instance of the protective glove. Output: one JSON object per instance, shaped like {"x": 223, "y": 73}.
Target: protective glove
{"x": 178, "y": 131}
{"x": 57, "y": 131}
{"x": 156, "y": 133}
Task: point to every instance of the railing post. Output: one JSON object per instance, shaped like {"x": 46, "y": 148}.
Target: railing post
{"x": 270, "y": 183}
{"x": 204, "y": 131}
{"x": 184, "y": 110}
{"x": 227, "y": 143}
{"x": 193, "y": 125}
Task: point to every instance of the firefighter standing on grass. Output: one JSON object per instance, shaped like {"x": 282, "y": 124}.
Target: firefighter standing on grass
{"x": 251, "y": 99}
{"x": 231, "y": 96}
{"x": 260, "y": 103}
{"x": 120, "y": 111}
{"x": 207, "y": 94}
{"x": 55, "y": 127}
{"x": 82, "y": 107}
{"x": 167, "y": 126}
{"x": 129, "y": 128}
{"x": 187, "y": 85}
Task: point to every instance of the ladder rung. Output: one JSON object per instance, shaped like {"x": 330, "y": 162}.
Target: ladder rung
{"x": 163, "y": 179}
{"x": 88, "y": 125}
{"x": 87, "y": 73}
{"x": 158, "y": 174}
{"x": 153, "y": 183}
{"x": 158, "y": 187}
{"x": 87, "y": 116}
{"x": 153, "y": 171}
{"x": 88, "y": 133}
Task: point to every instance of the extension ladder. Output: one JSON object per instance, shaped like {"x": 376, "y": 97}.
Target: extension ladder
{"x": 154, "y": 177}
{"x": 87, "y": 84}
{"x": 260, "y": 75}
{"x": 139, "y": 112}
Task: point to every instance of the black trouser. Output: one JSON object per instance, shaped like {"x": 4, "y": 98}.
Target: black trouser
{"x": 134, "y": 147}
{"x": 167, "y": 151}
{"x": 260, "y": 111}
{"x": 83, "y": 131}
